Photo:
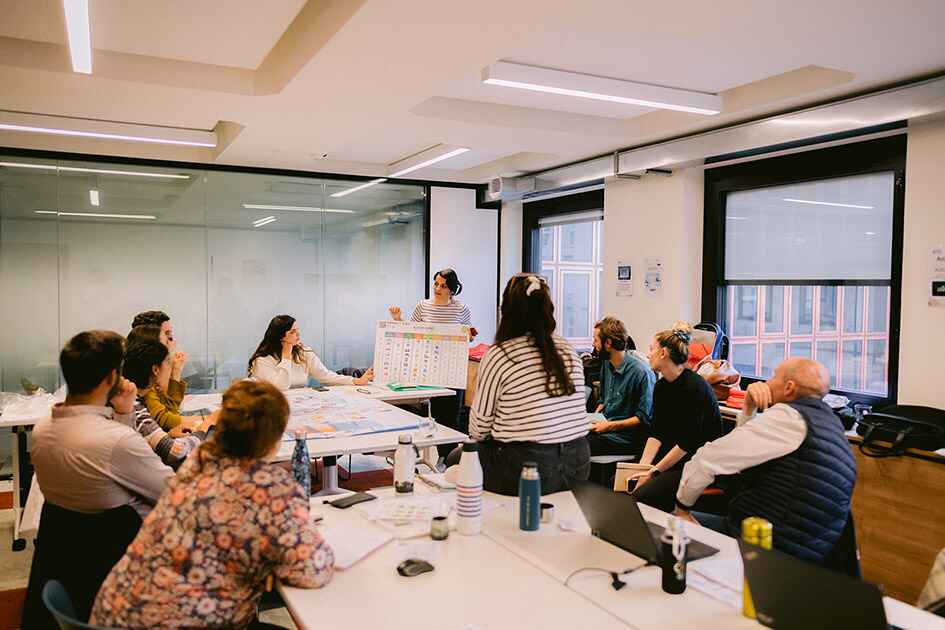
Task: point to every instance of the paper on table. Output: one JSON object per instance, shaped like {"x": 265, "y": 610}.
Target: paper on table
{"x": 719, "y": 578}
{"x": 353, "y": 540}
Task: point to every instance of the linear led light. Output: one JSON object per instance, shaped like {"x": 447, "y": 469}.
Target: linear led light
{"x": 104, "y": 136}
{"x": 348, "y": 191}
{"x": 439, "y": 158}
{"x": 97, "y": 215}
{"x": 264, "y": 221}
{"x": 80, "y": 38}
{"x": 93, "y": 197}
{"x": 828, "y": 203}
{"x": 260, "y": 206}
{"x": 551, "y": 81}
{"x": 101, "y": 171}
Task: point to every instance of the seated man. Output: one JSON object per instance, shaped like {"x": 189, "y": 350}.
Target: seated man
{"x": 797, "y": 468}
{"x": 88, "y": 457}
{"x": 626, "y": 394}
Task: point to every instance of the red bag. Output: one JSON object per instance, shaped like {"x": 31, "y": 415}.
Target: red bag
{"x": 720, "y": 374}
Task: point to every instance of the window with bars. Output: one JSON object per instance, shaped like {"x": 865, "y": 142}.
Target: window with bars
{"x": 572, "y": 263}
{"x": 802, "y": 258}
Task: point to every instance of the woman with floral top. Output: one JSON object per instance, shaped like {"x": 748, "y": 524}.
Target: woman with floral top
{"x": 226, "y": 524}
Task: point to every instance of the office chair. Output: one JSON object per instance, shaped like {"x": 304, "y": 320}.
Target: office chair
{"x": 59, "y": 604}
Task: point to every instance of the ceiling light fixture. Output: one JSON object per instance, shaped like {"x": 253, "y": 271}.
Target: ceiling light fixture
{"x": 870, "y": 233}
{"x": 565, "y": 83}
{"x": 104, "y": 136}
{"x": 93, "y": 197}
{"x": 80, "y": 38}
{"x": 260, "y": 206}
{"x": 828, "y": 203}
{"x": 149, "y": 217}
{"x": 101, "y": 171}
{"x": 348, "y": 191}
{"x": 439, "y": 158}
{"x": 264, "y": 221}
{"x": 105, "y": 129}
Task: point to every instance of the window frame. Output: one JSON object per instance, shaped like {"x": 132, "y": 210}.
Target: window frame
{"x": 853, "y": 158}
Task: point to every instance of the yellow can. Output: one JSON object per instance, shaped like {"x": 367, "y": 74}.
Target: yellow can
{"x": 755, "y": 531}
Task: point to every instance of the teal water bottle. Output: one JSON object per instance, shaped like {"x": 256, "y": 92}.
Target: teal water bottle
{"x": 529, "y": 497}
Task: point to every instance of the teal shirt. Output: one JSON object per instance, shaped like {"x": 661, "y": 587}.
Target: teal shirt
{"x": 626, "y": 392}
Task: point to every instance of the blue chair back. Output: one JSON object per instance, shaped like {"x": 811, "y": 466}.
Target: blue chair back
{"x": 59, "y": 605}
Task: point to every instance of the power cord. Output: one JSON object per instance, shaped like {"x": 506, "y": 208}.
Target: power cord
{"x": 615, "y": 576}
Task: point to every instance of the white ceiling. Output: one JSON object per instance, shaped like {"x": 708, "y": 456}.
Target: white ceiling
{"x": 398, "y": 77}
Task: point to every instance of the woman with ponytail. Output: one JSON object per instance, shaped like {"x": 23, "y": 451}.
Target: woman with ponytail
{"x": 529, "y": 403}
{"x": 685, "y": 416}
{"x": 226, "y": 525}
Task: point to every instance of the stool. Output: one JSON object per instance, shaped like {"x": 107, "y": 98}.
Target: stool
{"x": 603, "y": 467}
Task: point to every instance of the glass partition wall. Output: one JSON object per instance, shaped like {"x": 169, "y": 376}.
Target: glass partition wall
{"x": 88, "y": 245}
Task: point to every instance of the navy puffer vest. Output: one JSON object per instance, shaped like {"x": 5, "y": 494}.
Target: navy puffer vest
{"x": 805, "y": 494}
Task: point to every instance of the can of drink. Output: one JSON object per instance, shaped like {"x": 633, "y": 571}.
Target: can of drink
{"x": 755, "y": 531}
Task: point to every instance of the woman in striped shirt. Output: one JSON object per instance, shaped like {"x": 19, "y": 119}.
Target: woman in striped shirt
{"x": 443, "y": 308}
{"x": 529, "y": 403}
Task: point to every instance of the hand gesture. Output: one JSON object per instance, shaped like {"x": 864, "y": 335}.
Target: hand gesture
{"x": 124, "y": 400}
{"x": 365, "y": 378}
{"x": 758, "y": 396}
{"x": 604, "y": 426}
{"x": 395, "y": 313}
{"x": 287, "y": 347}
{"x": 177, "y": 364}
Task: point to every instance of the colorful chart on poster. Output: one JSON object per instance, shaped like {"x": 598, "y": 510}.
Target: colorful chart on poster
{"x": 421, "y": 354}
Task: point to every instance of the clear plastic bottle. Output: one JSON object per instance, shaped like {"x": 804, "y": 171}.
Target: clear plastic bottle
{"x": 469, "y": 491}
{"x": 302, "y": 463}
{"x": 405, "y": 464}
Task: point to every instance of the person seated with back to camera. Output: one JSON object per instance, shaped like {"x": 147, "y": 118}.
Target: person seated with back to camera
{"x": 229, "y": 523}
{"x": 796, "y": 466}
{"x": 529, "y": 403}
{"x": 626, "y": 394}
{"x": 146, "y": 363}
{"x": 88, "y": 457}
{"x": 685, "y": 416}
{"x": 283, "y": 360}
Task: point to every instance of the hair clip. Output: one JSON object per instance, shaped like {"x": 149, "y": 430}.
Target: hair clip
{"x": 682, "y": 335}
{"x": 534, "y": 283}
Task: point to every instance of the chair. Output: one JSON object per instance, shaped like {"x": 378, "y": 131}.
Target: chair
{"x": 59, "y": 605}
{"x": 78, "y": 551}
{"x": 845, "y": 555}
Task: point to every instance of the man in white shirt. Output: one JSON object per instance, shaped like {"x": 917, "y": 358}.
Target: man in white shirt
{"x": 88, "y": 456}
{"x": 797, "y": 467}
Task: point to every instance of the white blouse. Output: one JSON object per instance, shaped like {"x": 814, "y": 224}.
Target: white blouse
{"x": 286, "y": 374}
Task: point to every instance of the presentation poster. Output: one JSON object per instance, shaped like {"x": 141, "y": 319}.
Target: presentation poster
{"x": 415, "y": 353}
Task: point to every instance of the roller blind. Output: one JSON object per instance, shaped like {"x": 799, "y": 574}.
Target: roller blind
{"x": 824, "y": 230}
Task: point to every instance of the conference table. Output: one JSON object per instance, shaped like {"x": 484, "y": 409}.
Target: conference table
{"x": 505, "y": 577}
{"x": 327, "y": 449}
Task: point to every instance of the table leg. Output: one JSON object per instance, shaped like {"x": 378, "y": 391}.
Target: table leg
{"x": 329, "y": 477}
{"x": 18, "y": 436}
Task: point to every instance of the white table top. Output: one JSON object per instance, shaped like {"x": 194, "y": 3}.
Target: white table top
{"x": 507, "y": 577}
{"x": 370, "y": 443}
{"x": 379, "y": 392}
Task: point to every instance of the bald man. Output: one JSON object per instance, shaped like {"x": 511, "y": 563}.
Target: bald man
{"x": 795, "y": 463}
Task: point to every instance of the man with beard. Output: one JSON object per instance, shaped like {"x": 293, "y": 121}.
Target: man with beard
{"x": 626, "y": 394}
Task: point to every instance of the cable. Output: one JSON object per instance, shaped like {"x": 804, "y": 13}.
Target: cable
{"x": 616, "y": 582}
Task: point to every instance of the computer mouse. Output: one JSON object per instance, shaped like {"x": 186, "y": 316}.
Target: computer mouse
{"x": 413, "y": 566}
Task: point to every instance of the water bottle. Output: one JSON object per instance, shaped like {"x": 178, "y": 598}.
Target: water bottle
{"x": 673, "y": 545}
{"x": 529, "y": 498}
{"x": 469, "y": 491}
{"x": 301, "y": 463}
{"x": 405, "y": 464}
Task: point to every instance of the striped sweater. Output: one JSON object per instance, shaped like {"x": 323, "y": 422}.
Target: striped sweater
{"x": 172, "y": 451}
{"x": 429, "y": 312}
{"x": 511, "y": 403}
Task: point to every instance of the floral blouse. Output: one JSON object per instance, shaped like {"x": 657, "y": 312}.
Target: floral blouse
{"x": 203, "y": 554}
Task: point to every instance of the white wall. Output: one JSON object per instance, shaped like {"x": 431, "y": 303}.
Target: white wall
{"x": 466, "y": 239}
{"x": 654, "y": 217}
{"x": 922, "y": 337}
{"x": 510, "y": 248}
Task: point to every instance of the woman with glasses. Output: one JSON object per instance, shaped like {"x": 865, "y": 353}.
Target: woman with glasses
{"x": 283, "y": 360}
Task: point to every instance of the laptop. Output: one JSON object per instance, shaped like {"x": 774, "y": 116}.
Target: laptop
{"x": 793, "y": 594}
{"x": 616, "y": 518}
